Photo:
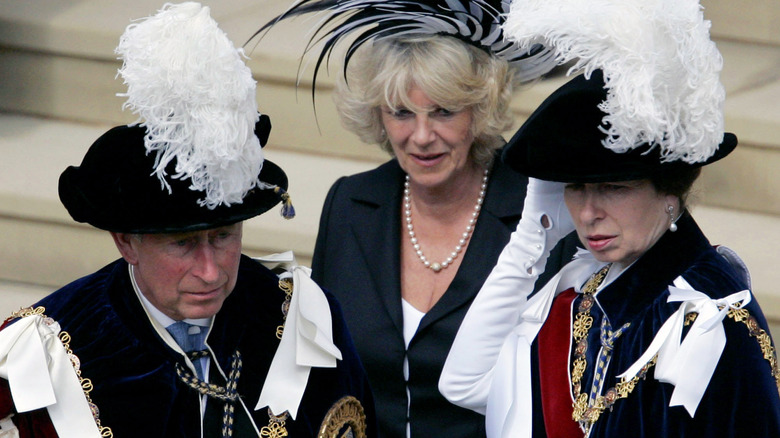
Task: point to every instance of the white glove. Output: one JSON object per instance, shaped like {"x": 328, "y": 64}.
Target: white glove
{"x": 544, "y": 222}
{"x": 545, "y": 198}
{"x": 496, "y": 309}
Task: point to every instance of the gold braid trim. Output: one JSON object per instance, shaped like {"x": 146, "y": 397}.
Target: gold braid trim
{"x": 762, "y": 337}
{"x": 590, "y": 414}
{"x": 27, "y": 311}
{"x": 276, "y": 423}
{"x": 227, "y": 394}
{"x": 86, "y": 384}
{"x": 286, "y": 285}
{"x": 222, "y": 393}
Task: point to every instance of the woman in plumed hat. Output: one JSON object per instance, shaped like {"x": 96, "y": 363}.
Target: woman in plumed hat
{"x": 652, "y": 331}
{"x": 406, "y": 246}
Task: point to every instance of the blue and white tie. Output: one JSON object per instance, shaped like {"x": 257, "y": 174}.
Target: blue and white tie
{"x": 190, "y": 338}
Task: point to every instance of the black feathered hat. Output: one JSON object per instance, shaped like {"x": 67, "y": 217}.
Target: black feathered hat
{"x": 563, "y": 140}
{"x": 476, "y": 22}
{"x": 114, "y": 189}
{"x": 653, "y": 102}
{"x": 194, "y": 160}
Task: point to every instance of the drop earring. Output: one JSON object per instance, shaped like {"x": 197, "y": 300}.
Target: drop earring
{"x": 672, "y": 225}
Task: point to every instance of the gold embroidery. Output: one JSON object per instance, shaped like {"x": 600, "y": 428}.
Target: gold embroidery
{"x": 276, "y": 426}
{"x": 27, "y": 311}
{"x": 577, "y": 370}
{"x": 583, "y": 322}
{"x": 738, "y": 314}
{"x": 590, "y": 414}
{"x": 346, "y": 418}
{"x": 764, "y": 341}
{"x": 86, "y": 384}
{"x": 285, "y": 285}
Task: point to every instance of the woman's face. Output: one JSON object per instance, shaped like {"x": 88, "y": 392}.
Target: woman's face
{"x": 432, "y": 146}
{"x": 619, "y": 221}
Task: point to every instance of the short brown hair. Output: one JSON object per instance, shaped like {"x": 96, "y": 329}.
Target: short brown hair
{"x": 677, "y": 182}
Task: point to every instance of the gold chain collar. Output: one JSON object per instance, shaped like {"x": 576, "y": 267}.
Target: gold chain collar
{"x": 276, "y": 423}
{"x": 588, "y": 413}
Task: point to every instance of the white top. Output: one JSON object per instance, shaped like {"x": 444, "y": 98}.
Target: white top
{"x": 412, "y": 317}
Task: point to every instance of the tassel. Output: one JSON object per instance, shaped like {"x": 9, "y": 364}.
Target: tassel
{"x": 288, "y": 211}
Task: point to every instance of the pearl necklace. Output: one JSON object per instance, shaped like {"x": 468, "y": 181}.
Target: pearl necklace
{"x": 436, "y": 267}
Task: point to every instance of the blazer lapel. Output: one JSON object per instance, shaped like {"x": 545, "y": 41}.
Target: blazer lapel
{"x": 377, "y": 236}
{"x": 499, "y": 216}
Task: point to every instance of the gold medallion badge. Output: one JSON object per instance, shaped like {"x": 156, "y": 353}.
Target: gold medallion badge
{"x": 345, "y": 419}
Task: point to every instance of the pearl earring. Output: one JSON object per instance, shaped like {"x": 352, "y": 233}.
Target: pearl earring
{"x": 672, "y": 225}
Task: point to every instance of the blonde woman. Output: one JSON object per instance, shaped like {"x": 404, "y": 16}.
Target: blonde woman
{"x": 406, "y": 246}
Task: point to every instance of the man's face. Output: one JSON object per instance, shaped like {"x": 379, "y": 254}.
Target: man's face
{"x": 186, "y": 275}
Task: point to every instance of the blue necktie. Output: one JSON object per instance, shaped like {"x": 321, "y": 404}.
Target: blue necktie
{"x": 190, "y": 338}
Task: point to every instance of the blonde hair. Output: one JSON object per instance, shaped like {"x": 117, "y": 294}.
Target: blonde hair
{"x": 450, "y": 72}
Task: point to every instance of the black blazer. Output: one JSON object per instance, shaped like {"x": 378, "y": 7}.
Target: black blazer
{"x": 357, "y": 257}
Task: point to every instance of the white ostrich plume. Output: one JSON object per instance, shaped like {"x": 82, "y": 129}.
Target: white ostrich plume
{"x": 660, "y": 67}
{"x": 195, "y": 95}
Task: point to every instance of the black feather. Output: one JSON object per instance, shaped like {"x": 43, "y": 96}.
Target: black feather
{"x": 476, "y": 22}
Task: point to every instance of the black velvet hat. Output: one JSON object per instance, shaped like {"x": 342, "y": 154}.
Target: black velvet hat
{"x": 115, "y": 189}
{"x": 194, "y": 160}
{"x": 563, "y": 139}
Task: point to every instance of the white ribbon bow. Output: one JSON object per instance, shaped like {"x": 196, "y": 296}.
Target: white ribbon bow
{"x": 41, "y": 375}
{"x": 689, "y": 363}
{"x": 307, "y": 341}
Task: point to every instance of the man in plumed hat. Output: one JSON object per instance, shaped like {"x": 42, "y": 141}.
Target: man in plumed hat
{"x": 183, "y": 336}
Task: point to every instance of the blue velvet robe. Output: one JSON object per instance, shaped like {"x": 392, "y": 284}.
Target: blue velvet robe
{"x": 742, "y": 397}
{"x": 135, "y": 383}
